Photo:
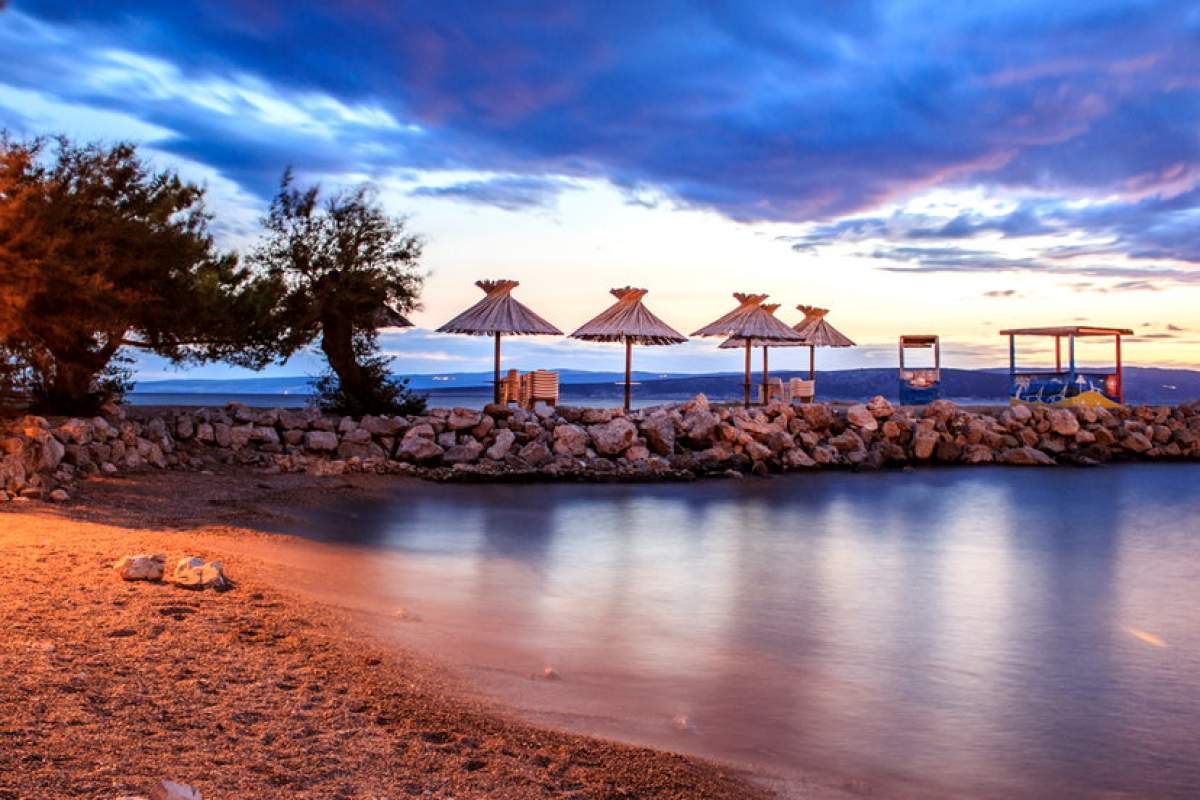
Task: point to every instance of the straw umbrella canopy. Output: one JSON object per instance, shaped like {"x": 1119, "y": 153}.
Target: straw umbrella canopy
{"x": 499, "y": 314}
{"x": 750, "y": 323}
{"x": 737, "y": 342}
{"x": 816, "y": 332}
{"x": 628, "y": 321}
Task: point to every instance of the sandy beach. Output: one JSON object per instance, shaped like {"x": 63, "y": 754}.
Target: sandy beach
{"x": 262, "y": 691}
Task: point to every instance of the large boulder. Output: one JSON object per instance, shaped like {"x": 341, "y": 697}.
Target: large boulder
{"x": 699, "y": 424}
{"x": 817, "y": 416}
{"x": 659, "y": 430}
{"x": 613, "y": 438}
{"x": 1137, "y": 442}
{"x": 535, "y": 454}
{"x": 320, "y": 441}
{"x": 382, "y": 426}
{"x": 1025, "y": 456}
{"x": 463, "y": 453}
{"x": 570, "y": 440}
{"x": 880, "y": 408}
{"x": 941, "y": 410}
{"x": 860, "y": 416}
{"x": 978, "y": 454}
{"x": 418, "y": 450}
{"x": 504, "y": 442}
{"x": 1063, "y": 422}
{"x": 52, "y": 454}
{"x": 463, "y": 418}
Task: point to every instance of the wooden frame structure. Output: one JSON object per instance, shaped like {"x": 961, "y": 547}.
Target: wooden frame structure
{"x": 920, "y": 385}
{"x": 1069, "y": 386}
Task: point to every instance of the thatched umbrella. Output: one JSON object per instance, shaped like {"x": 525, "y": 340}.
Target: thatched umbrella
{"x": 496, "y": 315}
{"x": 736, "y": 342}
{"x": 628, "y": 321}
{"x": 750, "y": 323}
{"x": 816, "y": 332}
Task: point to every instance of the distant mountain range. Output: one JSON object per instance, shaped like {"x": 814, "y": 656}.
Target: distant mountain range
{"x": 1142, "y": 385}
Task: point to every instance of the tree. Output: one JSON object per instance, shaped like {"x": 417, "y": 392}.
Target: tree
{"x": 99, "y": 252}
{"x": 348, "y": 270}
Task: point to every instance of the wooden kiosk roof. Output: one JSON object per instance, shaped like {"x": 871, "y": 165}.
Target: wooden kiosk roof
{"x": 750, "y": 321}
{"x": 628, "y": 319}
{"x": 1068, "y": 330}
{"x": 499, "y": 312}
{"x": 914, "y": 340}
{"x": 816, "y": 330}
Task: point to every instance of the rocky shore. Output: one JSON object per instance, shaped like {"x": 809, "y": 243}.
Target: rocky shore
{"x": 40, "y": 459}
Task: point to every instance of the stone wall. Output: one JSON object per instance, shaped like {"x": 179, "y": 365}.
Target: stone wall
{"x": 40, "y": 459}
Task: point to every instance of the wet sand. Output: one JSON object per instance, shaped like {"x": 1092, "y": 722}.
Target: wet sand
{"x": 290, "y": 685}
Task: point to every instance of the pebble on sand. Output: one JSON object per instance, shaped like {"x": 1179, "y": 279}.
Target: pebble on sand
{"x": 141, "y": 567}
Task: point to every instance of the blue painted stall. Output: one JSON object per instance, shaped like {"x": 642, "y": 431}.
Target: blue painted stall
{"x": 1067, "y": 385}
{"x": 920, "y": 385}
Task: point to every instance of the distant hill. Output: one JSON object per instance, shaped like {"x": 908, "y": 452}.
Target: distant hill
{"x": 1142, "y": 385}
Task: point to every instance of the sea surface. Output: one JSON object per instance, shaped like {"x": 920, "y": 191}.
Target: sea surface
{"x": 966, "y": 632}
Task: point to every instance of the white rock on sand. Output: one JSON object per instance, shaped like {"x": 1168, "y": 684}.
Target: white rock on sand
{"x": 141, "y": 568}
{"x": 196, "y": 573}
{"x": 169, "y": 790}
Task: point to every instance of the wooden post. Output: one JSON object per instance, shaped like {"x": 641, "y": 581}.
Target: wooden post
{"x": 1120, "y": 373}
{"x": 747, "y": 385}
{"x": 496, "y": 374}
{"x": 1012, "y": 365}
{"x": 1058, "y": 354}
{"x": 1071, "y": 356}
{"x": 766, "y": 376}
{"x": 628, "y": 369}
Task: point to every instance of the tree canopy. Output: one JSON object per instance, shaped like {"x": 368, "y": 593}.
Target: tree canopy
{"x": 348, "y": 269}
{"x": 99, "y": 252}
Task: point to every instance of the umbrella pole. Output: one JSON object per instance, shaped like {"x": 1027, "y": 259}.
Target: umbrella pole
{"x": 812, "y": 362}
{"x": 766, "y": 376}
{"x": 746, "y": 386}
{"x": 496, "y": 374}
{"x": 628, "y": 370}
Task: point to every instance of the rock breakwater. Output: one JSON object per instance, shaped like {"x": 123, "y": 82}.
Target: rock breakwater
{"x": 40, "y": 459}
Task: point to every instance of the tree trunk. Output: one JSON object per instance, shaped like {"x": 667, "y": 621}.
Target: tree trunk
{"x": 337, "y": 342}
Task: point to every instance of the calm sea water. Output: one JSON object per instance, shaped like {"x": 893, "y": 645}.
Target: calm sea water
{"x": 958, "y": 632}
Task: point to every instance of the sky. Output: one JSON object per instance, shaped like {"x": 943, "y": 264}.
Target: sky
{"x": 917, "y": 167}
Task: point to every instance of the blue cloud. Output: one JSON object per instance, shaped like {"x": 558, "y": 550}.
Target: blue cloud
{"x": 511, "y": 193}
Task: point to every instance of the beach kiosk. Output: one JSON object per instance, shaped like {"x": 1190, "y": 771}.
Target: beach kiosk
{"x": 920, "y": 385}
{"x": 1069, "y": 385}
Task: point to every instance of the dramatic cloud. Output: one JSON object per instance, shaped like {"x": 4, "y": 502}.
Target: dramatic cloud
{"x": 764, "y": 111}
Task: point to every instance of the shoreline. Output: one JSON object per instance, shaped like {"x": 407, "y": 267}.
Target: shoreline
{"x": 257, "y": 692}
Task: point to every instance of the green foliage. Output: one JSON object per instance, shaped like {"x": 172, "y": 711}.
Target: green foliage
{"x": 347, "y": 270}
{"x": 99, "y": 252}
{"x": 385, "y": 394}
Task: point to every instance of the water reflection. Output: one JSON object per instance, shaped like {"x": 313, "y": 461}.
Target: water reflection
{"x": 962, "y": 631}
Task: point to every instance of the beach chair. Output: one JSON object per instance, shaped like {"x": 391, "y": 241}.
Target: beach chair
{"x": 775, "y": 390}
{"x": 543, "y": 387}
{"x": 801, "y": 391}
{"x": 510, "y": 387}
